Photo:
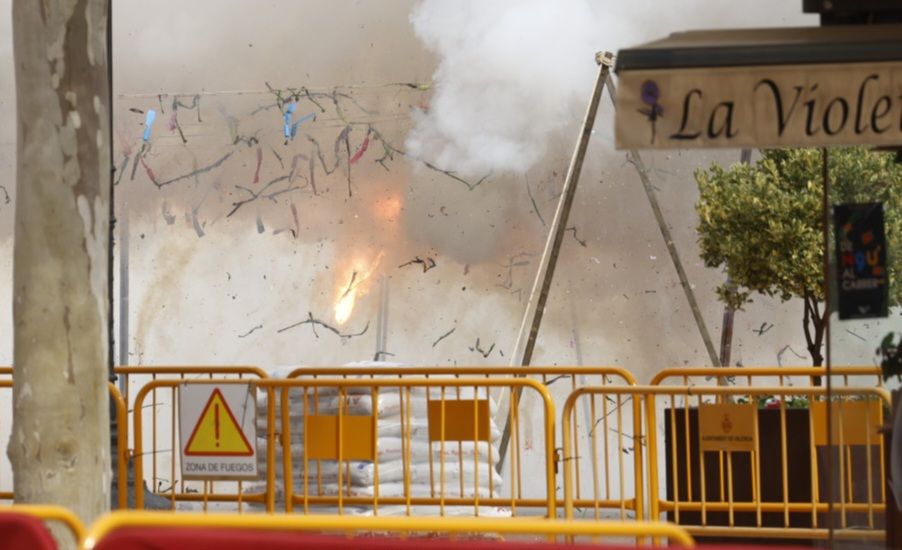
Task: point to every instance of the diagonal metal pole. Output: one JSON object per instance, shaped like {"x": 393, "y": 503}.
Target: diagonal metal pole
{"x": 538, "y": 297}
{"x": 726, "y": 330}
{"x": 825, "y": 213}
{"x": 634, "y": 157}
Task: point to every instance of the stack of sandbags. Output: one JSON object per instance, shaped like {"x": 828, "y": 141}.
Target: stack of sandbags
{"x": 406, "y": 462}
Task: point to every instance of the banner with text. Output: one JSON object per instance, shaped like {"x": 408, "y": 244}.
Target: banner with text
{"x": 862, "y": 279}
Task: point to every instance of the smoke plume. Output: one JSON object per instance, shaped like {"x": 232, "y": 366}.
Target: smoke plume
{"x": 513, "y": 74}
{"x": 509, "y": 76}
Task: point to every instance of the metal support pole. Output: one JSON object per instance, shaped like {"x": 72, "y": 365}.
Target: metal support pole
{"x": 538, "y": 297}
{"x": 636, "y": 159}
{"x": 825, "y": 205}
{"x": 382, "y": 322}
{"x": 123, "y": 287}
{"x": 726, "y": 328}
{"x": 111, "y": 334}
{"x": 152, "y": 502}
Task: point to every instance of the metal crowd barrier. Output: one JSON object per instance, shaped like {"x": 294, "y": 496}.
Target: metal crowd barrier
{"x": 183, "y": 372}
{"x": 566, "y": 530}
{"x": 55, "y": 514}
{"x": 386, "y": 446}
{"x": 578, "y": 376}
{"x": 622, "y": 459}
{"x": 159, "y": 411}
{"x": 715, "y": 440}
{"x": 121, "y": 458}
{"x": 769, "y": 375}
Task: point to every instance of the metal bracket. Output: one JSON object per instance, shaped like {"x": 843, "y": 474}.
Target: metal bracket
{"x": 605, "y": 58}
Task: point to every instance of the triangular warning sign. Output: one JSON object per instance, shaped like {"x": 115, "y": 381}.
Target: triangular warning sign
{"x": 217, "y": 433}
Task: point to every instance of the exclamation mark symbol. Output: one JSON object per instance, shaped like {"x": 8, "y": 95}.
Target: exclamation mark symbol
{"x": 216, "y": 421}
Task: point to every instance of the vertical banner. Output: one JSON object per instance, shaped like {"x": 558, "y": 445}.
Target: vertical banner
{"x": 862, "y": 279}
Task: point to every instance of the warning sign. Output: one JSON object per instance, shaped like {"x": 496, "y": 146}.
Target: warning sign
{"x": 217, "y": 433}
{"x": 217, "y": 427}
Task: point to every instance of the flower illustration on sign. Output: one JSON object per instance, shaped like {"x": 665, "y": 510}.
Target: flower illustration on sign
{"x": 650, "y": 95}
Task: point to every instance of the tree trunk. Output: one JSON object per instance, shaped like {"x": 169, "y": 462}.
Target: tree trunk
{"x": 813, "y": 322}
{"x": 59, "y": 447}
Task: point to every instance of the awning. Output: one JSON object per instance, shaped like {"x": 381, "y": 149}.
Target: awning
{"x": 819, "y": 86}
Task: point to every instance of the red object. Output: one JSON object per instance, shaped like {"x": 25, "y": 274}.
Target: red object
{"x": 149, "y": 171}
{"x": 259, "y": 163}
{"x": 156, "y": 538}
{"x": 24, "y": 531}
{"x": 362, "y": 149}
{"x": 134, "y": 538}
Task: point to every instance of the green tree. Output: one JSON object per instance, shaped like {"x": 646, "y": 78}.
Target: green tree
{"x": 762, "y": 223}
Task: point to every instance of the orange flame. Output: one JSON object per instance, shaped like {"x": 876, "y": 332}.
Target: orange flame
{"x": 388, "y": 208}
{"x": 356, "y": 283}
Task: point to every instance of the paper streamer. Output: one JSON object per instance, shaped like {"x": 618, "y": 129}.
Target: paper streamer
{"x": 291, "y": 128}
{"x": 148, "y": 123}
{"x": 305, "y": 118}
{"x": 288, "y": 116}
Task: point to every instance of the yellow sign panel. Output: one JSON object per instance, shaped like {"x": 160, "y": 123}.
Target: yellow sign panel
{"x": 728, "y": 427}
{"x": 358, "y": 435}
{"x": 217, "y": 433}
{"x": 860, "y": 422}
{"x": 463, "y": 420}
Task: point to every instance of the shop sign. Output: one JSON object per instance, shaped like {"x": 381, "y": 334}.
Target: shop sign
{"x": 760, "y": 106}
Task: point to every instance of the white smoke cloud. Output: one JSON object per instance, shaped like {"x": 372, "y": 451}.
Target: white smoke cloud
{"x": 509, "y": 74}
{"x": 513, "y": 73}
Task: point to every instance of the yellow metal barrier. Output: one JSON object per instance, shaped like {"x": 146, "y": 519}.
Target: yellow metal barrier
{"x": 439, "y": 434}
{"x": 712, "y": 432}
{"x": 686, "y": 376}
{"x": 48, "y": 513}
{"x": 122, "y": 446}
{"x": 6, "y": 425}
{"x": 605, "y": 425}
{"x": 160, "y": 413}
{"x": 121, "y": 451}
{"x": 577, "y": 375}
{"x": 184, "y": 372}
{"x": 350, "y": 525}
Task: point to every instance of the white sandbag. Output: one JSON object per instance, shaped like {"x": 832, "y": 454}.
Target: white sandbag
{"x": 364, "y": 473}
{"x": 396, "y": 489}
{"x": 415, "y": 426}
{"x": 386, "y": 404}
{"x": 389, "y": 426}
{"x": 279, "y": 498}
{"x": 393, "y": 448}
{"x": 390, "y": 399}
{"x": 429, "y": 510}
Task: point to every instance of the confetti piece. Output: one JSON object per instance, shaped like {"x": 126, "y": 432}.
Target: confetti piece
{"x": 361, "y": 150}
{"x": 148, "y": 123}
{"x": 305, "y": 118}
{"x": 259, "y": 163}
{"x": 289, "y": 111}
{"x": 291, "y": 128}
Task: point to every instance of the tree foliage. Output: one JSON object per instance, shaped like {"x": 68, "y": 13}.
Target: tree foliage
{"x": 762, "y": 223}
